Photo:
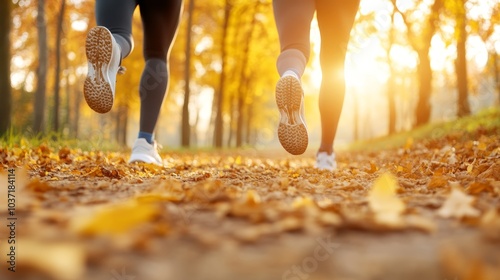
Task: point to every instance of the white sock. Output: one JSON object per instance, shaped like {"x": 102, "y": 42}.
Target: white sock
{"x": 291, "y": 73}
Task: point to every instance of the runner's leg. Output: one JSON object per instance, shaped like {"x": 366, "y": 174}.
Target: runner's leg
{"x": 160, "y": 20}
{"x": 335, "y": 20}
{"x": 293, "y": 21}
{"x": 116, "y": 16}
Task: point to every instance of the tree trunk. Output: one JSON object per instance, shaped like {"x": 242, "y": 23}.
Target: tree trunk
{"x": 423, "y": 109}
{"x": 67, "y": 119}
{"x": 124, "y": 128}
{"x": 240, "y": 120}
{"x": 57, "y": 75}
{"x": 194, "y": 131}
{"x": 232, "y": 111}
{"x": 5, "y": 86}
{"x": 186, "y": 128}
{"x": 218, "y": 127}
{"x": 391, "y": 98}
{"x": 497, "y": 75}
{"x": 248, "y": 126}
{"x": 391, "y": 86}
{"x": 356, "y": 116}
{"x": 244, "y": 77}
{"x": 42, "y": 69}
{"x": 421, "y": 43}
{"x": 461, "y": 62}
{"x": 118, "y": 126}
{"x": 76, "y": 112}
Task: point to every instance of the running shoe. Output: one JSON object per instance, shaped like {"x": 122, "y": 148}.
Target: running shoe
{"x": 145, "y": 152}
{"x": 292, "y": 130}
{"x": 324, "y": 161}
{"x": 103, "y": 57}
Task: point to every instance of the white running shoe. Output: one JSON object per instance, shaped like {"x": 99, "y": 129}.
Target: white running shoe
{"x": 103, "y": 57}
{"x": 145, "y": 152}
{"x": 292, "y": 129}
{"x": 324, "y": 161}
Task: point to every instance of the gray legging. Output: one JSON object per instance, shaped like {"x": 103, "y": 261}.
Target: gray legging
{"x": 160, "y": 19}
{"x": 335, "y": 20}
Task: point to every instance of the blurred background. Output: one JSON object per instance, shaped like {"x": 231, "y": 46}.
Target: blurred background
{"x": 409, "y": 63}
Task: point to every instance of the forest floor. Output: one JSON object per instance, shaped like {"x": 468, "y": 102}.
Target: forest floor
{"x": 428, "y": 209}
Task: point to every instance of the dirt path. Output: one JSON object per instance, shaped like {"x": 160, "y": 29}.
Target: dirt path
{"x": 426, "y": 211}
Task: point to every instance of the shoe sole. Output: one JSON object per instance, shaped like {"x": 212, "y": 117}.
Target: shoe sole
{"x": 292, "y": 131}
{"x": 97, "y": 88}
{"x": 143, "y": 158}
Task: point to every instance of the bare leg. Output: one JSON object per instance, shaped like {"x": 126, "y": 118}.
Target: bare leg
{"x": 293, "y": 21}
{"x": 335, "y": 20}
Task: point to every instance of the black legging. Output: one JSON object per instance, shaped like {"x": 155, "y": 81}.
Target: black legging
{"x": 160, "y": 19}
{"x": 335, "y": 20}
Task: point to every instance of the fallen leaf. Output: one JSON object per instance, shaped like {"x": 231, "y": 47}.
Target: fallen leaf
{"x": 490, "y": 225}
{"x": 458, "y": 205}
{"x": 420, "y": 223}
{"x": 115, "y": 219}
{"x": 384, "y": 202}
{"x": 437, "y": 182}
{"x": 60, "y": 261}
{"x": 479, "y": 187}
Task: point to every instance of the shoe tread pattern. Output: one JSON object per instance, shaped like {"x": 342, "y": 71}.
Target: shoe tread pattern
{"x": 292, "y": 131}
{"x": 97, "y": 89}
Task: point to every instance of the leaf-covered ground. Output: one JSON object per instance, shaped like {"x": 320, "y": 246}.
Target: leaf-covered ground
{"x": 429, "y": 210}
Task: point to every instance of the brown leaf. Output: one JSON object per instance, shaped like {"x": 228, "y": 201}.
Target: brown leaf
{"x": 479, "y": 187}
{"x": 490, "y": 224}
{"x": 438, "y": 182}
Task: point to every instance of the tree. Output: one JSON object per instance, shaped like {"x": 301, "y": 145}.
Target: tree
{"x": 5, "y": 86}
{"x": 463, "y": 107}
{"x": 42, "y": 68}
{"x": 485, "y": 28}
{"x": 219, "y": 98}
{"x": 57, "y": 75}
{"x": 186, "y": 128}
{"x": 391, "y": 86}
{"x": 420, "y": 41}
{"x": 244, "y": 79}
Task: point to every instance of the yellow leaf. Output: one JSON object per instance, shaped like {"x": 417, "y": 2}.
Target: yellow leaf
{"x": 303, "y": 202}
{"x": 373, "y": 168}
{"x": 60, "y": 261}
{"x": 458, "y": 205}
{"x": 482, "y": 146}
{"x": 237, "y": 161}
{"x": 409, "y": 143}
{"x": 383, "y": 201}
{"x": 158, "y": 197}
{"x": 252, "y": 198}
{"x": 470, "y": 167}
{"x": 116, "y": 219}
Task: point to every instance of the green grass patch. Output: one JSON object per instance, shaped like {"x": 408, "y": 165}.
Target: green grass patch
{"x": 485, "y": 120}
{"x": 15, "y": 139}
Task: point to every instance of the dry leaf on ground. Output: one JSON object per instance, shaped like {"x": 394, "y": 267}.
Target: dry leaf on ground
{"x": 458, "y": 205}
{"x": 384, "y": 202}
